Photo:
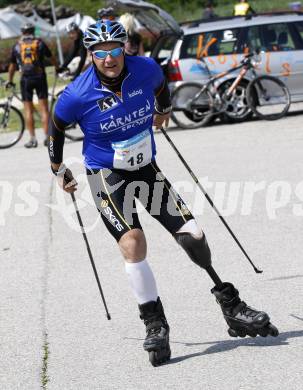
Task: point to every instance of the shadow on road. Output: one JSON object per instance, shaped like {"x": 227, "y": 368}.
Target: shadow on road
{"x": 298, "y": 318}
{"x": 230, "y": 344}
{"x": 285, "y": 277}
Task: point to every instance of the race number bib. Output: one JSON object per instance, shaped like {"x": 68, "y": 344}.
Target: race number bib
{"x": 133, "y": 153}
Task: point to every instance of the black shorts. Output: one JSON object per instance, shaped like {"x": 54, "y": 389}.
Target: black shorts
{"x": 114, "y": 192}
{"x": 29, "y": 84}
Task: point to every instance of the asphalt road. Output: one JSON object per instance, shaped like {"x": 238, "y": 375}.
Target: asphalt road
{"x": 54, "y": 332}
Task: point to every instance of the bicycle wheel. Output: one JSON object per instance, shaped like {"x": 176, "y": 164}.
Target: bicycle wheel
{"x": 190, "y": 109}
{"x": 11, "y": 126}
{"x": 235, "y": 105}
{"x": 72, "y": 131}
{"x": 268, "y": 97}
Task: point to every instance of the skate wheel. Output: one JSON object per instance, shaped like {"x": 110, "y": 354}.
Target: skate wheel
{"x": 157, "y": 358}
{"x": 273, "y": 331}
{"x": 153, "y": 358}
{"x": 241, "y": 333}
{"x": 232, "y": 332}
{"x": 236, "y": 332}
{"x": 252, "y": 333}
{"x": 263, "y": 332}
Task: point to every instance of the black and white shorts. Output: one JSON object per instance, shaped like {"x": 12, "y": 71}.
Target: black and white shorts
{"x": 114, "y": 192}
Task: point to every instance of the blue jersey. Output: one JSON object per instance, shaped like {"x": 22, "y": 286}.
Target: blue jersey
{"x": 117, "y": 130}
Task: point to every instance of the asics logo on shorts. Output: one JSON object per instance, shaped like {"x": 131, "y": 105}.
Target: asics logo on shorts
{"x": 113, "y": 219}
{"x": 104, "y": 203}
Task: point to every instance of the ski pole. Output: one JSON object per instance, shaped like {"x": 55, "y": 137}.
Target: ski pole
{"x": 90, "y": 254}
{"x": 209, "y": 199}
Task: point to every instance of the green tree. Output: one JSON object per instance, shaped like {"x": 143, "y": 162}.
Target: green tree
{"x": 5, "y": 3}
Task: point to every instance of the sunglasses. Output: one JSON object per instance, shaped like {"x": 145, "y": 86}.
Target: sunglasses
{"x": 102, "y": 54}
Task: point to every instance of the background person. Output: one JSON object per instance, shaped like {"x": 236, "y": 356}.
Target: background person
{"x": 107, "y": 14}
{"x": 134, "y": 45}
{"x": 28, "y": 55}
{"x": 78, "y": 50}
{"x": 243, "y": 8}
{"x": 209, "y": 12}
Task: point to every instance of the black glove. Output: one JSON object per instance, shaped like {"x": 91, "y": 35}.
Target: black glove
{"x": 65, "y": 178}
{"x": 68, "y": 180}
{"x": 9, "y": 84}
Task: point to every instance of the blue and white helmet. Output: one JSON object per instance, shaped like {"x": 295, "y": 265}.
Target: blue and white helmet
{"x": 104, "y": 31}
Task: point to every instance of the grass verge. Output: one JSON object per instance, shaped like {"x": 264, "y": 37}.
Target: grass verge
{"x": 44, "y": 374}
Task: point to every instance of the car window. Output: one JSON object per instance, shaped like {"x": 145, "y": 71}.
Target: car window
{"x": 270, "y": 37}
{"x": 299, "y": 30}
{"x": 164, "y": 47}
{"x": 210, "y": 43}
{"x": 254, "y": 39}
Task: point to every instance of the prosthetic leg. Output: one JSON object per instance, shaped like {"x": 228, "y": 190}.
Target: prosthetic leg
{"x": 241, "y": 319}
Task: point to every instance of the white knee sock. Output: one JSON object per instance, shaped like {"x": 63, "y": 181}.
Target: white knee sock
{"x": 142, "y": 281}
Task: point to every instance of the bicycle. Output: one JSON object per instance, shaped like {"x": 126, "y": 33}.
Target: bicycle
{"x": 195, "y": 104}
{"x": 72, "y": 131}
{"x": 12, "y": 124}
